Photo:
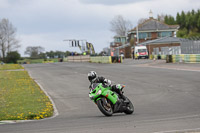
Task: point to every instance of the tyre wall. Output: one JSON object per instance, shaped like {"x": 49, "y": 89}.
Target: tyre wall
{"x": 184, "y": 58}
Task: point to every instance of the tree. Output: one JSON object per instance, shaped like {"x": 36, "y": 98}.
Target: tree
{"x": 59, "y": 54}
{"x": 67, "y": 53}
{"x": 172, "y": 20}
{"x": 12, "y": 57}
{"x": 182, "y": 18}
{"x": 169, "y": 20}
{"x": 189, "y": 23}
{"x": 166, "y": 19}
{"x": 142, "y": 20}
{"x": 120, "y": 26}
{"x": 182, "y": 33}
{"x": 178, "y": 18}
{"x": 34, "y": 51}
{"x": 198, "y": 23}
{"x": 8, "y": 41}
{"x": 161, "y": 17}
{"x": 50, "y": 54}
{"x": 42, "y": 56}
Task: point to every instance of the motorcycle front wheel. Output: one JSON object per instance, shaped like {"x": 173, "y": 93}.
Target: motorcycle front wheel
{"x": 105, "y": 107}
{"x": 129, "y": 107}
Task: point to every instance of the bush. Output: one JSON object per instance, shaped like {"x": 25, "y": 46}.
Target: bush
{"x": 12, "y": 57}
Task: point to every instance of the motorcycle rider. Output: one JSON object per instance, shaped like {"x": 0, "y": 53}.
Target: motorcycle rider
{"x": 94, "y": 78}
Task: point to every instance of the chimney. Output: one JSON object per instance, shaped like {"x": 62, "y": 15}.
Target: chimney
{"x": 150, "y": 15}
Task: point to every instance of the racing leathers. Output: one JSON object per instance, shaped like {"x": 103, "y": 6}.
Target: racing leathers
{"x": 107, "y": 82}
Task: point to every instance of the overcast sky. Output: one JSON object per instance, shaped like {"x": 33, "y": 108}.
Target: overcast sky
{"x": 47, "y": 23}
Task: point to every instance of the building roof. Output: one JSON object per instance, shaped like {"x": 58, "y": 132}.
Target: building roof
{"x": 119, "y": 36}
{"x": 154, "y": 25}
{"x": 162, "y": 40}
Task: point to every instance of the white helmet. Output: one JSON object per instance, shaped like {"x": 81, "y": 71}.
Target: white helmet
{"x": 92, "y": 76}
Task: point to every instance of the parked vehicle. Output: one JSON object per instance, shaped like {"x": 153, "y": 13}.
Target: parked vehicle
{"x": 141, "y": 52}
{"x": 109, "y": 102}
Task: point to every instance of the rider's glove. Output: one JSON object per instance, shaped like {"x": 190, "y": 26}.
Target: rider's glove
{"x": 118, "y": 86}
{"x": 107, "y": 82}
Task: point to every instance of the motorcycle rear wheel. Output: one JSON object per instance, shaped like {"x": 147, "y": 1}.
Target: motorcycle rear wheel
{"x": 104, "y": 107}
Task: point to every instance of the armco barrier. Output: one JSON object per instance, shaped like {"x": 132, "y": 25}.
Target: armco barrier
{"x": 101, "y": 59}
{"x": 184, "y": 58}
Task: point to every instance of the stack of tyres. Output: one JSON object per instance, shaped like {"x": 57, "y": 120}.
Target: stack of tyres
{"x": 169, "y": 59}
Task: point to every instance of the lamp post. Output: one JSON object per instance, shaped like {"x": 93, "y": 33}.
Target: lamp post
{"x": 137, "y": 35}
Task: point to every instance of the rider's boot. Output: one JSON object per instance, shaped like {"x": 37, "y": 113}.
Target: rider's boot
{"x": 117, "y": 105}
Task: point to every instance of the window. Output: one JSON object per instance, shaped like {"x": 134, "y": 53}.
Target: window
{"x": 148, "y": 35}
{"x": 164, "y": 33}
{"x": 117, "y": 39}
{"x": 120, "y": 39}
{"x": 142, "y": 50}
{"x": 132, "y": 36}
{"x": 159, "y": 34}
{"x": 144, "y": 35}
{"x": 123, "y": 40}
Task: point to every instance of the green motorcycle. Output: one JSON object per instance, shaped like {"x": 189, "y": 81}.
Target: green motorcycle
{"x": 108, "y": 101}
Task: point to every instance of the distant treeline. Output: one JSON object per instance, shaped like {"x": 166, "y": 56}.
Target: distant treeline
{"x": 189, "y": 23}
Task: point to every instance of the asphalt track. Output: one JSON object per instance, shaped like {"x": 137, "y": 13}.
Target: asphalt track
{"x": 165, "y": 100}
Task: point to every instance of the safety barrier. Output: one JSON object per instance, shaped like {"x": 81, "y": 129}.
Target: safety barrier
{"x": 95, "y": 59}
{"x": 101, "y": 59}
{"x": 162, "y": 57}
{"x": 117, "y": 59}
{"x": 80, "y": 58}
{"x": 183, "y": 58}
{"x": 48, "y": 62}
{"x": 151, "y": 57}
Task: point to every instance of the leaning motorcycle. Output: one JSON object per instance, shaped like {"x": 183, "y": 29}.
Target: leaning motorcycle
{"x": 108, "y": 101}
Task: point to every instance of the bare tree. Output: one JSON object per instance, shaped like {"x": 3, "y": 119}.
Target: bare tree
{"x": 8, "y": 41}
{"x": 34, "y": 51}
{"x": 142, "y": 20}
{"x": 161, "y": 17}
{"x": 120, "y": 26}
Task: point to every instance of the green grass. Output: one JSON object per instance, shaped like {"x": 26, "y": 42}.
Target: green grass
{"x": 10, "y": 66}
{"x": 21, "y": 98}
{"x": 34, "y": 61}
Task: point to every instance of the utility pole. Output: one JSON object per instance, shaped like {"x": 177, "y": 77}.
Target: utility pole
{"x": 137, "y": 35}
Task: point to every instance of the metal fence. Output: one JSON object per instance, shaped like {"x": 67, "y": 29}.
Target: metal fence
{"x": 190, "y": 46}
{"x": 167, "y": 50}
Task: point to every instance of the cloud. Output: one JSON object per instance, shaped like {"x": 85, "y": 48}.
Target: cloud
{"x": 49, "y": 22}
{"x": 110, "y": 2}
{"x": 55, "y": 41}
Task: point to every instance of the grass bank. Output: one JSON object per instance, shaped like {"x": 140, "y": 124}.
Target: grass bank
{"x": 34, "y": 61}
{"x": 10, "y": 67}
{"x": 21, "y": 98}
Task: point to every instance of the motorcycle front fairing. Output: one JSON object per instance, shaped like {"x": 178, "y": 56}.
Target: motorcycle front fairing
{"x": 98, "y": 90}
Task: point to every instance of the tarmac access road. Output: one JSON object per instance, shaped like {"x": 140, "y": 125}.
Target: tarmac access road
{"x": 166, "y": 100}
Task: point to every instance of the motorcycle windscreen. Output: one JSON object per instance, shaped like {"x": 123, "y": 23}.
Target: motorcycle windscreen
{"x": 94, "y": 85}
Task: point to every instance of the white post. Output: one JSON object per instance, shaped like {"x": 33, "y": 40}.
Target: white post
{"x": 137, "y": 35}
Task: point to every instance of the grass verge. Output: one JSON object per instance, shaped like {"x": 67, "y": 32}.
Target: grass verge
{"x": 10, "y": 67}
{"x": 34, "y": 61}
{"x": 21, "y": 98}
